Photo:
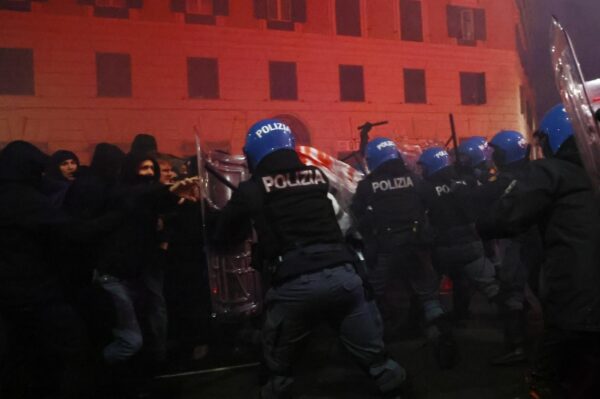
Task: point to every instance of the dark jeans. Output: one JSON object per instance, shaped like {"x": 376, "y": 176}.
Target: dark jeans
{"x": 47, "y": 353}
{"x": 567, "y": 364}
{"x": 336, "y": 296}
{"x": 141, "y": 316}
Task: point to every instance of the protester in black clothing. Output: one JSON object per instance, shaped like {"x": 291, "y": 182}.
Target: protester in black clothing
{"x": 314, "y": 277}
{"x": 130, "y": 264}
{"x": 144, "y": 144}
{"x": 60, "y": 172}
{"x": 557, "y": 196}
{"x": 392, "y": 220}
{"x": 41, "y": 323}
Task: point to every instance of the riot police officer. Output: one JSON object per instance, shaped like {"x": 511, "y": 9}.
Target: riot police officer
{"x": 458, "y": 250}
{"x": 557, "y": 196}
{"x": 391, "y": 218}
{"x": 515, "y": 255}
{"x": 474, "y": 159}
{"x": 314, "y": 277}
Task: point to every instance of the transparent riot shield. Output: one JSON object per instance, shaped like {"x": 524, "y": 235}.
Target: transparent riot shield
{"x": 235, "y": 287}
{"x": 577, "y": 100}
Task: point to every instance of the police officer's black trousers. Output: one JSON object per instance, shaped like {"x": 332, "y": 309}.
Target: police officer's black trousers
{"x": 405, "y": 263}
{"x": 335, "y": 295}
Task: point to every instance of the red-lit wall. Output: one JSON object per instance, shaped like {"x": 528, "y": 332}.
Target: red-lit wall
{"x": 65, "y": 111}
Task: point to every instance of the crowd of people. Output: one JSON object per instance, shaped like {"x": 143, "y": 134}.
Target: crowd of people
{"x": 96, "y": 261}
{"x": 102, "y": 264}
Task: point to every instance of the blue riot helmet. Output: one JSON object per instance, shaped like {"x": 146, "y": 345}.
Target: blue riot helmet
{"x": 265, "y": 137}
{"x": 433, "y": 159}
{"x": 556, "y": 127}
{"x": 379, "y": 151}
{"x": 474, "y": 151}
{"x": 509, "y": 147}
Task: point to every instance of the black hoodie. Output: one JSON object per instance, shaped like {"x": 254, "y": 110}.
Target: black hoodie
{"x": 133, "y": 247}
{"x": 557, "y": 196}
{"x": 26, "y": 216}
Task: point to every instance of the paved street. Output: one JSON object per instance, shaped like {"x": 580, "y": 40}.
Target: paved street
{"x": 326, "y": 371}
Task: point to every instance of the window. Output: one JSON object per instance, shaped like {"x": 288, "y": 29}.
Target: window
{"x": 113, "y": 75}
{"x": 283, "y": 81}
{"x": 467, "y": 25}
{"x": 16, "y": 71}
{"x": 415, "y": 91}
{"x": 411, "y": 20}
{"x": 112, "y": 8}
{"x": 15, "y": 5}
{"x": 203, "y": 78}
{"x": 347, "y": 17}
{"x": 201, "y": 7}
{"x": 472, "y": 88}
{"x": 351, "y": 83}
{"x": 279, "y": 10}
{"x": 201, "y": 11}
{"x": 281, "y": 14}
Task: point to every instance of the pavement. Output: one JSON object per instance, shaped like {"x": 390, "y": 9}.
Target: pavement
{"x": 325, "y": 370}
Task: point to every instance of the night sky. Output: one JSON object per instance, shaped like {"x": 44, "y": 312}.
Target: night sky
{"x": 581, "y": 18}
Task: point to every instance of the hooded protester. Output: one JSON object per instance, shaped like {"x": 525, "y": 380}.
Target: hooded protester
{"x": 87, "y": 196}
{"x": 129, "y": 266}
{"x": 144, "y": 144}
{"x": 41, "y": 323}
{"x": 60, "y": 172}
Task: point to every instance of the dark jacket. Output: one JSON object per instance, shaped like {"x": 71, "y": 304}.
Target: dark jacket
{"x": 32, "y": 229}
{"x": 26, "y": 217}
{"x": 557, "y": 197}
{"x": 387, "y": 202}
{"x": 288, "y": 205}
{"x": 133, "y": 247}
{"x": 447, "y": 198}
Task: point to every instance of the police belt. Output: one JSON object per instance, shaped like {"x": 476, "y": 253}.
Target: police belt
{"x": 311, "y": 258}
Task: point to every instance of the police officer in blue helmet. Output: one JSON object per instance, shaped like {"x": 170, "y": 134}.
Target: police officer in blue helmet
{"x": 557, "y": 197}
{"x": 391, "y": 219}
{"x": 458, "y": 250}
{"x": 474, "y": 158}
{"x": 516, "y": 255}
{"x": 313, "y": 271}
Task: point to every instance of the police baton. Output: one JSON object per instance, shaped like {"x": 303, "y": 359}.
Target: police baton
{"x": 364, "y": 134}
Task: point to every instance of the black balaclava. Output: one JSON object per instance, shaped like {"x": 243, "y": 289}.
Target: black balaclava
{"x": 129, "y": 170}
{"x": 21, "y": 161}
{"x": 53, "y": 168}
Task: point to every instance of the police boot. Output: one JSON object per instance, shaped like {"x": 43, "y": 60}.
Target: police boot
{"x": 445, "y": 350}
{"x": 514, "y": 331}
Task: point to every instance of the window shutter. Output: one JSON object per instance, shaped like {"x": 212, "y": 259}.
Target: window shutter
{"x": 480, "y": 25}
{"x": 453, "y": 16}
{"x": 178, "y": 5}
{"x": 260, "y": 9}
{"x": 299, "y": 11}
{"x": 221, "y": 7}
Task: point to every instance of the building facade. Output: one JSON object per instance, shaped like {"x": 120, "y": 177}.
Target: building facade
{"x": 77, "y": 72}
